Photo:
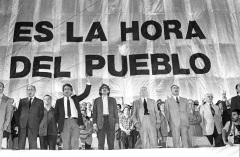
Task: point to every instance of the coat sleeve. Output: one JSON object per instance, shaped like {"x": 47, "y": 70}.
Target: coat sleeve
{"x": 85, "y": 93}
{"x": 115, "y": 111}
{"x": 9, "y": 111}
{"x": 135, "y": 113}
{"x": 41, "y": 111}
{"x": 156, "y": 112}
{"x": 18, "y": 112}
{"x": 166, "y": 110}
{"x": 56, "y": 112}
{"x": 95, "y": 112}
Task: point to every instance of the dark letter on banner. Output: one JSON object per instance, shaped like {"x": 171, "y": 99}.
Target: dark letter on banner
{"x": 194, "y": 26}
{"x": 18, "y": 31}
{"x": 134, "y": 64}
{"x": 96, "y": 26}
{"x": 70, "y": 37}
{"x": 90, "y": 66}
{"x": 175, "y": 29}
{"x": 111, "y": 66}
{"x": 37, "y": 66}
{"x": 134, "y": 30}
{"x": 57, "y": 67}
{"x": 13, "y": 68}
{"x": 206, "y": 61}
{"x": 176, "y": 67}
{"x": 47, "y": 32}
{"x": 144, "y": 30}
{"x": 156, "y": 63}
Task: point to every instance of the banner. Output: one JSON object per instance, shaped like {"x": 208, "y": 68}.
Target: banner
{"x": 126, "y": 44}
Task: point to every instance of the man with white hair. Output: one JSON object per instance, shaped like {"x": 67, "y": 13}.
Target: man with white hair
{"x": 211, "y": 119}
{"x": 146, "y": 119}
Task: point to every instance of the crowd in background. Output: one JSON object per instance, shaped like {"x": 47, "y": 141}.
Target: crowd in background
{"x": 63, "y": 127}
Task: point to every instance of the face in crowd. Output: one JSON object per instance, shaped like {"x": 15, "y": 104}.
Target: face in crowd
{"x": 31, "y": 90}
{"x": 1, "y": 87}
{"x": 47, "y": 100}
{"x": 126, "y": 111}
{"x": 175, "y": 90}
{"x": 67, "y": 91}
{"x": 235, "y": 117}
{"x": 143, "y": 92}
{"x": 89, "y": 106}
{"x": 209, "y": 98}
{"x": 238, "y": 88}
{"x": 104, "y": 90}
{"x": 191, "y": 105}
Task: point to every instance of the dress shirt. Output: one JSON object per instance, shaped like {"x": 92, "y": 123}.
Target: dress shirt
{"x": 105, "y": 105}
{"x": 175, "y": 97}
{"x": 74, "y": 113}
{"x": 143, "y": 99}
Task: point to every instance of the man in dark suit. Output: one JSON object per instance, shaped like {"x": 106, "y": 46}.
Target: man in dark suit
{"x": 105, "y": 117}
{"x": 29, "y": 115}
{"x": 235, "y": 101}
{"x": 68, "y": 116}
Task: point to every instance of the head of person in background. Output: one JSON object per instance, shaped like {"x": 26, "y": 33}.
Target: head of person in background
{"x": 175, "y": 90}
{"x": 83, "y": 105}
{"x": 196, "y": 102}
{"x": 238, "y": 88}
{"x": 143, "y": 92}
{"x": 126, "y": 110}
{"x": 31, "y": 90}
{"x": 89, "y": 106}
{"x": 104, "y": 90}
{"x": 67, "y": 90}
{"x": 191, "y": 105}
{"x": 83, "y": 112}
{"x": 119, "y": 107}
{"x": 219, "y": 104}
{"x": 1, "y": 88}
{"x": 236, "y": 116}
{"x": 47, "y": 99}
{"x": 196, "y": 105}
{"x": 209, "y": 98}
{"x": 160, "y": 105}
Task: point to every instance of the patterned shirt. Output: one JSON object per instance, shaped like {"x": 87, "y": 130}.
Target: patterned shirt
{"x": 126, "y": 122}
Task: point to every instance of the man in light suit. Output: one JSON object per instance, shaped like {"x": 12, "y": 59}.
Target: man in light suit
{"x": 29, "y": 115}
{"x": 146, "y": 119}
{"x": 211, "y": 119}
{"x": 177, "y": 113}
{"x": 69, "y": 117}
{"x": 235, "y": 101}
{"x": 5, "y": 112}
{"x": 105, "y": 117}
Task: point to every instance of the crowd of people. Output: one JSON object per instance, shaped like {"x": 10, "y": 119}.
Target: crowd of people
{"x": 145, "y": 123}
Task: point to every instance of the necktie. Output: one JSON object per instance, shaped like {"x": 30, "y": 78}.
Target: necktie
{"x": 145, "y": 107}
{"x": 177, "y": 100}
{"x": 68, "y": 108}
{"x": 30, "y": 103}
{"x": 212, "y": 110}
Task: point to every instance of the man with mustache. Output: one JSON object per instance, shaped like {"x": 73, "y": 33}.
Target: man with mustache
{"x": 177, "y": 113}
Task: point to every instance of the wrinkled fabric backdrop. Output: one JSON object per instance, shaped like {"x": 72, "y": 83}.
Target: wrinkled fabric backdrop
{"x": 219, "y": 20}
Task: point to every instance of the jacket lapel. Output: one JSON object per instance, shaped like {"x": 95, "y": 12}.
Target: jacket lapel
{"x": 62, "y": 106}
{"x": 101, "y": 105}
{"x": 109, "y": 105}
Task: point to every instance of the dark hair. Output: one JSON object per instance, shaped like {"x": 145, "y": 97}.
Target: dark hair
{"x": 237, "y": 86}
{"x": 104, "y": 85}
{"x": 218, "y": 102}
{"x": 31, "y": 86}
{"x": 236, "y": 110}
{"x": 2, "y": 84}
{"x": 48, "y": 96}
{"x": 67, "y": 85}
{"x": 173, "y": 86}
{"x": 119, "y": 105}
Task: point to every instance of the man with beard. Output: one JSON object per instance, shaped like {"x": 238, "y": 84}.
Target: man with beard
{"x": 105, "y": 117}
{"x": 177, "y": 113}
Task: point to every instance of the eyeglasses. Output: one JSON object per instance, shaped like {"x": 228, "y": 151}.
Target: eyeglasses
{"x": 210, "y": 96}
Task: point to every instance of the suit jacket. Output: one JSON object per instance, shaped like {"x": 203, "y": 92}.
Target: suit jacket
{"x": 30, "y": 116}
{"x": 59, "y": 113}
{"x": 98, "y": 112}
{"x": 138, "y": 112}
{"x": 48, "y": 125}
{"x": 6, "y": 109}
{"x": 177, "y": 115}
{"x": 208, "y": 120}
{"x": 235, "y": 102}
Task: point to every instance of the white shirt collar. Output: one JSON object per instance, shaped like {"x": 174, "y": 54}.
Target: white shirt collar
{"x": 175, "y": 97}
{"x": 143, "y": 99}
{"x": 31, "y": 97}
{"x": 46, "y": 107}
